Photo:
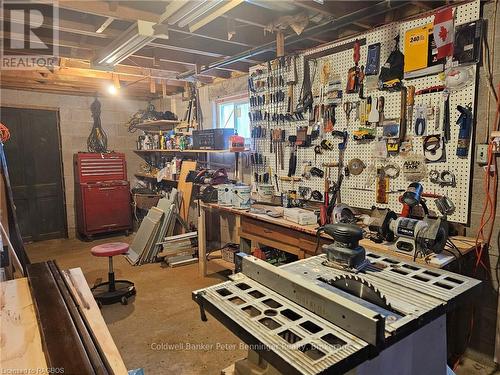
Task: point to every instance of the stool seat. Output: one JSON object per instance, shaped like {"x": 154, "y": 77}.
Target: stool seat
{"x": 109, "y": 249}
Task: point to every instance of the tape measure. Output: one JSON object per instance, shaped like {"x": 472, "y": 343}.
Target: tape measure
{"x": 433, "y": 148}
{"x": 356, "y": 166}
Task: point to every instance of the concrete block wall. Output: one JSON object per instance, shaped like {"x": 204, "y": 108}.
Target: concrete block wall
{"x": 75, "y": 122}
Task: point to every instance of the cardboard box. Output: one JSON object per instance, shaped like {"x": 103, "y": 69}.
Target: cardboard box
{"x": 300, "y": 216}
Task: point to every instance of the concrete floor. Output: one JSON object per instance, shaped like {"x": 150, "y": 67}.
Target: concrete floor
{"x": 163, "y": 314}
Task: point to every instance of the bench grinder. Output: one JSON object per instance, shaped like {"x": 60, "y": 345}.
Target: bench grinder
{"x": 412, "y": 236}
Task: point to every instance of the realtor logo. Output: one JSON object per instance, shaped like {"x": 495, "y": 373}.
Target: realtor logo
{"x": 30, "y": 35}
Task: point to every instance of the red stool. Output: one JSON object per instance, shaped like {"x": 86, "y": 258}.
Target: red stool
{"x": 113, "y": 290}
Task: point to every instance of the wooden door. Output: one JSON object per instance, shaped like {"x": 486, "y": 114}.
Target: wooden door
{"x": 34, "y": 160}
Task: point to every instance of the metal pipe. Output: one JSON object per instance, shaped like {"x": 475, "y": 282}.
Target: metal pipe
{"x": 380, "y": 7}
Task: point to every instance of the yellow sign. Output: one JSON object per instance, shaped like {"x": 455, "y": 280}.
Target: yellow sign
{"x": 417, "y": 48}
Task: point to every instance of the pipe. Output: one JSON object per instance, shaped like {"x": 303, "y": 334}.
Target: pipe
{"x": 330, "y": 25}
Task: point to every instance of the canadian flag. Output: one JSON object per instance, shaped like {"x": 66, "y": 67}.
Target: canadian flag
{"x": 444, "y": 32}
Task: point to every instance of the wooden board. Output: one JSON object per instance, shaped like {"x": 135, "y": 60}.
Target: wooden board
{"x": 186, "y": 188}
{"x": 66, "y": 344}
{"x": 202, "y": 243}
{"x": 20, "y": 341}
{"x": 83, "y": 295}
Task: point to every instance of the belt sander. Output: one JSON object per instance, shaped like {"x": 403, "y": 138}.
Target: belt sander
{"x": 345, "y": 311}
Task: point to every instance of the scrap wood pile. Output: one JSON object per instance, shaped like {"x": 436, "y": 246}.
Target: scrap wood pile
{"x": 155, "y": 231}
{"x": 179, "y": 250}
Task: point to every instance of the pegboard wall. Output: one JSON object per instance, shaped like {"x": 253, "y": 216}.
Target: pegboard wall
{"x": 359, "y": 190}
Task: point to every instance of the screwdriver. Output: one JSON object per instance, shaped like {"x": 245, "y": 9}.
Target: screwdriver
{"x": 410, "y": 102}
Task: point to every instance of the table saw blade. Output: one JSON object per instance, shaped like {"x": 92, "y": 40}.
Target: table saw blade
{"x": 361, "y": 288}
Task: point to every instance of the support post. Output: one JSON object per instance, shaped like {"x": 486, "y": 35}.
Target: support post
{"x": 202, "y": 244}
{"x": 280, "y": 44}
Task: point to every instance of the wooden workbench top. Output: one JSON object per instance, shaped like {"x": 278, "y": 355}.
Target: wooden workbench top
{"x": 309, "y": 229}
{"x": 464, "y": 244}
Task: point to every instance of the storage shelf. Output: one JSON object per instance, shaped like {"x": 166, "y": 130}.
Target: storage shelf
{"x": 218, "y": 261}
{"x": 184, "y": 151}
{"x": 145, "y": 175}
{"x": 158, "y": 125}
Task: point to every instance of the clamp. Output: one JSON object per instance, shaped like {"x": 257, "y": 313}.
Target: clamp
{"x": 317, "y": 172}
{"x": 444, "y": 178}
{"x": 392, "y": 170}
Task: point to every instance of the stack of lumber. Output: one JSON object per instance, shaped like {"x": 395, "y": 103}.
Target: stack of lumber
{"x": 179, "y": 250}
{"x": 158, "y": 224}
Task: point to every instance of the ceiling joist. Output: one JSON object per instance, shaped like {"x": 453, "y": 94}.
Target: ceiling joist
{"x": 208, "y": 38}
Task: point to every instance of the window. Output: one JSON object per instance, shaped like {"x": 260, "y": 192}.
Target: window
{"x": 233, "y": 113}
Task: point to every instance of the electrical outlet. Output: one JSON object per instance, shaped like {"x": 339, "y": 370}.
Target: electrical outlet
{"x": 482, "y": 154}
{"x": 495, "y": 140}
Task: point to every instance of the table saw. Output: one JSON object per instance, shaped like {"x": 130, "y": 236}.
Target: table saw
{"x": 368, "y": 315}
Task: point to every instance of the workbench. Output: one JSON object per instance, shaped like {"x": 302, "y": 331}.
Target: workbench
{"x": 301, "y": 240}
{"x": 21, "y": 345}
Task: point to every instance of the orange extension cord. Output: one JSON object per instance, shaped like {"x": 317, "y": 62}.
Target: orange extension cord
{"x": 4, "y": 133}
{"x": 490, "y": 188}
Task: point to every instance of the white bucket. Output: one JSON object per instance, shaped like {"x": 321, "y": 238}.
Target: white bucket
{"x": 266, "y": 190}
{"x": 241, "y": 197}
{"x": 224, "y": 194}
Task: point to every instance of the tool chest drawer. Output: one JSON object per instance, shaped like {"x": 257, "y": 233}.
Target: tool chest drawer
{"x": 91, "y": 167}
{"x": 107, "y": 206}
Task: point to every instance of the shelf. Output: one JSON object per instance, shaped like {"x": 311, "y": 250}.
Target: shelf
{"x": 218, "y": 261}
{"x": 158, "y": 125}
{"x": 145, "y": 175}
{"x": 185, "y": 151}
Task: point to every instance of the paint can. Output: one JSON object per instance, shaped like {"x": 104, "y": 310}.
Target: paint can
{"x": 241, "y": 197}
{"x": 225, "y": 194}
{"x": 266, "y": 191}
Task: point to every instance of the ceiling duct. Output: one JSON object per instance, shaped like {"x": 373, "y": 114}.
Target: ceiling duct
{"x": 202, "y": 10}
{"x": 334, "y": 24}
{"x": 196, "y": 14}
{"x": 133, "y": 39}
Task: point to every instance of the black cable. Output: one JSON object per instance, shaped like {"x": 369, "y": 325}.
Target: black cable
{"x": 97, "y": 140}
{"x": 318, "y": 237}
{"x": 452, "y": 253}
{"x": 454, "y": 247}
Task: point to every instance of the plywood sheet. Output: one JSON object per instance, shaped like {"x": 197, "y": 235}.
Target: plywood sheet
{"x": 186, "y": 188}
{"x": 20, "y": 341}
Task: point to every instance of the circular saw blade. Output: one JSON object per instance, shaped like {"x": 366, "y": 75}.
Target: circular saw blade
{"x": 359, "y": 287}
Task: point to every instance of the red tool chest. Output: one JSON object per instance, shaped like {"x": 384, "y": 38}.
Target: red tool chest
{"x": 102, "y": 193}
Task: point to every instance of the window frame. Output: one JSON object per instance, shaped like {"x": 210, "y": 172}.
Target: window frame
{"x": 241, "y": 98}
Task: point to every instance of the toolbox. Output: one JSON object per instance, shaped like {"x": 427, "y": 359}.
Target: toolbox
{"x": 212, "y": 139}
{"x": 102, "y": 193}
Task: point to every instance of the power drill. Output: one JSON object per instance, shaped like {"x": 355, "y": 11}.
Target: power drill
{"x": 465, "y": 123}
